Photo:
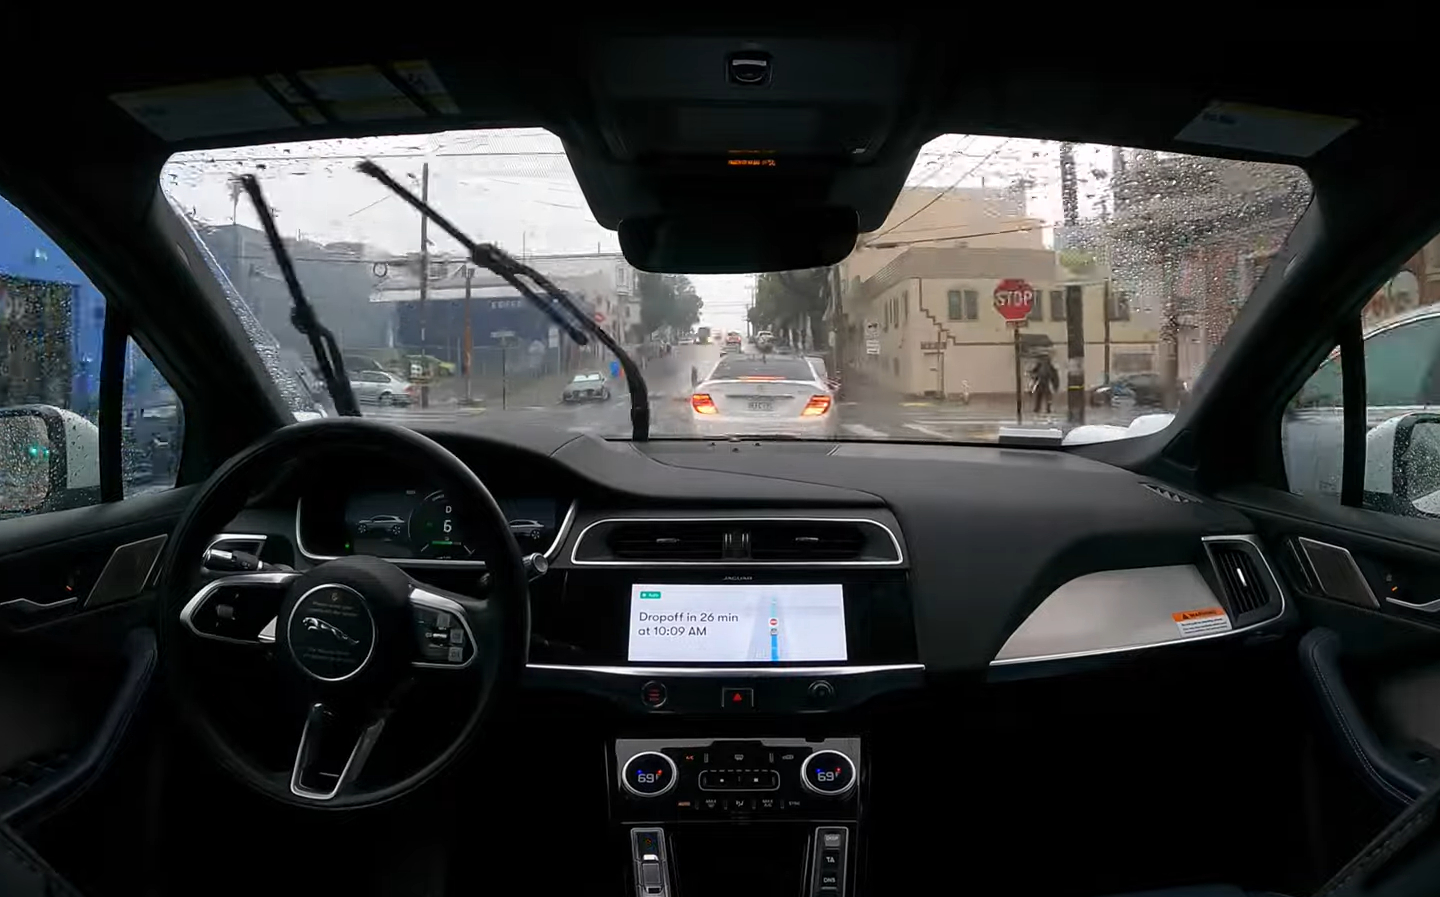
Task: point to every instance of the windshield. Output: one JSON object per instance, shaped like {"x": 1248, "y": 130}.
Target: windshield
{"x": 951, "y": 321}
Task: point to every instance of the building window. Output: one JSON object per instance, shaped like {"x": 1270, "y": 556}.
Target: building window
{"x": 905, "y": 300}
{"x": 1118, "y": 306}
{"x": 1057, "y": 305}
{"x": 972, "y": 305}
{"x": 1132, "y": 362}
{"x": 1037, "y": 307}
{"x": 895, "y": 365}
{"x": 955, "y": 311}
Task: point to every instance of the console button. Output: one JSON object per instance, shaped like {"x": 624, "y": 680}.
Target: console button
{"x": 648, "y": 774}
{"x": 652, "y": 694}
{"x": 737, "y": 698}
{"x": 830, "y": 773}
{"x": 821, "y": 692}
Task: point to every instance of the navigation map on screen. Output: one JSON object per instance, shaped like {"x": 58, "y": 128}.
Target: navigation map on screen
{"x": 751, "y": 623}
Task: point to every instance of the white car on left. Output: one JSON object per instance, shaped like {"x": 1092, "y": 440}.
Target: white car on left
{"x": 382, "y": 388}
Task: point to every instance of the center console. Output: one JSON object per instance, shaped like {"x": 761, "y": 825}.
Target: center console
{"x": 724, "y": 816}
{"x": 739, "y": 685}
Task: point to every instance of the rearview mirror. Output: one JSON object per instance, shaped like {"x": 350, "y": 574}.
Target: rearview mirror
{"x": 739, "y": 241}
{"x": 49, "y": 459}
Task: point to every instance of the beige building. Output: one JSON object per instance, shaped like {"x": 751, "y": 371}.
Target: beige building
{"x": 929, "y": 307}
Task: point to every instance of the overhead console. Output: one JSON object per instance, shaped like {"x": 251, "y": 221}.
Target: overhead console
{"x": 730, "y": 614}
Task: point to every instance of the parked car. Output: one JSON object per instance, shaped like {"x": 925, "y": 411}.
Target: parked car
{"x": 381, "y": 387}
{"x": 1146, "y": 388}
{"x": 589, "y": 386}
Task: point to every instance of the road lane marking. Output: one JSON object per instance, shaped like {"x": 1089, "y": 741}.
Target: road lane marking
{"x": 929, "y": 432}
{"x": 866, "y": 432}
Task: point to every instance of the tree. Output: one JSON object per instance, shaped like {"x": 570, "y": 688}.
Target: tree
{"x": 785, "y": 300}
{"x": 667, "y": 300}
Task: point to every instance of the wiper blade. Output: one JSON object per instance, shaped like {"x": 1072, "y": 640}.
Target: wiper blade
{"x": 302, "y": 313}
{"x": 560, "y": 307}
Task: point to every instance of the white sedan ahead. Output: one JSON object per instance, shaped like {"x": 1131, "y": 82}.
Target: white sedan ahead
{"x": 763, "y": 395}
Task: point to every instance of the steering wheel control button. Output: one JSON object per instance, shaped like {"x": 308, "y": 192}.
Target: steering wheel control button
{"x": 737, "y": 698}
{"x": 331, "y": 632}
{"x": 648, "y": 774}
{"x": 652, "y": 694}
{"x": 440, "y": 637}
{"x": 828, "y": 773}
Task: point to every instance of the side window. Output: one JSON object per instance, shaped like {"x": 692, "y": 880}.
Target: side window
{"x": 1400, "y": 468}
{"x": 1400, "y": 364}
{"x": 153, "y": 424}
{"x": 52, "y": 343}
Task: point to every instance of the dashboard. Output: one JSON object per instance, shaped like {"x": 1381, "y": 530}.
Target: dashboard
{"x": 774, "y": 566}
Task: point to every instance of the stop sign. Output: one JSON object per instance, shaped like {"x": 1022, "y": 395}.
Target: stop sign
{"x": 1014, "y": 298}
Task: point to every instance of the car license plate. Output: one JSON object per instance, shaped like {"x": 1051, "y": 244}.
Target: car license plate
{"x": 761, "y": 405}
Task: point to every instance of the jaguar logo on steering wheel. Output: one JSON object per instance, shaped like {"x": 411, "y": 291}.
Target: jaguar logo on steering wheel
{"x": 315, "y": 624}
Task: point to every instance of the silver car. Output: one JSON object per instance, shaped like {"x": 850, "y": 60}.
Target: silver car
{"x": 382, "y": 388}
{"x": 764, "y": 395}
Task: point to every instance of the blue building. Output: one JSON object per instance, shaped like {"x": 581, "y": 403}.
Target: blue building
{"x": 54, "y": 320}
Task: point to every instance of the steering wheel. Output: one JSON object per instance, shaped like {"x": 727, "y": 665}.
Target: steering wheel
{"x": 353, "y": 638}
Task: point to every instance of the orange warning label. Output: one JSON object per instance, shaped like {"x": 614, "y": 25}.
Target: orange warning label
{"x": 1200, "y": 614}
{"x": 1202, "y": 621}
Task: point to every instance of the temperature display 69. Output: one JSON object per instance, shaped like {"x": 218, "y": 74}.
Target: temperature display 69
{"x": 650, "y": 774}
{"x": 435, "y": 531}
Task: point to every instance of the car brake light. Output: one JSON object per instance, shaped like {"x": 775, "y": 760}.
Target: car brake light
{"x": 703, "y": 404}
{"x": 817, "y": 405}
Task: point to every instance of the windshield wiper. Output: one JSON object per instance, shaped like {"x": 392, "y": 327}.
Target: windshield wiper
{"x": 302, "y": 313}
{"x": 561, "y": 309}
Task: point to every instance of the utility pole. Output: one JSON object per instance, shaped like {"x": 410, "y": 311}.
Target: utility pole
{"x": 469, "y": 276}
{"x": 424, "y": 281}
{"x": 1074, "y": 297}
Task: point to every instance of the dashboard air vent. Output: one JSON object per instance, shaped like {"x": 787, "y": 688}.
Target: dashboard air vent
{"x": 1170, "y": 494}
{"x": 1242, "y": 574}
{"x": 806, "y": 540}
{"x": 786, "y": 540}
{"x": 668, "y": 541}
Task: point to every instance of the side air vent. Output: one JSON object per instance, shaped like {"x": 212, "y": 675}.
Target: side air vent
{"x": 1165, "y": 492}
{"x": 806, "y": 540}
{"x": 795, "y": 541}
{"x": 667, "y": 541}
{"x": 1243, "y": 576}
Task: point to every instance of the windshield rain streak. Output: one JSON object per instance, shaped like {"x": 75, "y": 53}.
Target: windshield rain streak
{"x": 950, "y": 322}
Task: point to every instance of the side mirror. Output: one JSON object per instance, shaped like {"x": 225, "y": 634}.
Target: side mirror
{"x": 1402, "y": 465}
{"x": 49, "y": 460}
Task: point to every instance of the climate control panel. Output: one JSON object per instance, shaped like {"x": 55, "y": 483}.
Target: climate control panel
{"x": 771, "y": 778}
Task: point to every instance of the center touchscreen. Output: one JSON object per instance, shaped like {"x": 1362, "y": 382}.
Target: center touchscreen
{"x": 751, "y": 623}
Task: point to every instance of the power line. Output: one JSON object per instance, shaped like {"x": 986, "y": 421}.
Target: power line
{"x": 937, "y": 196}
{"x": 360, "y": 156}
{"x": 992, "y": 233}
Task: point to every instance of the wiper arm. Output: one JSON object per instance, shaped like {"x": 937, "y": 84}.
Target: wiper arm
{"x": 302, "y": 313}
{"x": 497, "y": 261}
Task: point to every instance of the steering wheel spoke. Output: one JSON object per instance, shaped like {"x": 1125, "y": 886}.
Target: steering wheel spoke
{"x": 334, "y": 747}
{"x": 446, "y": 627}
{"x": 238, "y": 609}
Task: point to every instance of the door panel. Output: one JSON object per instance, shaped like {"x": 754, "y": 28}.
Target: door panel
{"x": 1371, "y": 657}
{"x": 77, "y": 660}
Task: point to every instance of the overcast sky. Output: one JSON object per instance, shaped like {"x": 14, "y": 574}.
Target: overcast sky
{"x": 515, "y": 188}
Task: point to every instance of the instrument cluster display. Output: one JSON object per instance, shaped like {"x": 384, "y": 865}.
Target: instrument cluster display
{"x": 421, "y": 524}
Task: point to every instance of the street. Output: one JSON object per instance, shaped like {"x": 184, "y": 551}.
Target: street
{"x": 867, "y": 412}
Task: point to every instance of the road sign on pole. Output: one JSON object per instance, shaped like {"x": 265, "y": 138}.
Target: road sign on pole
{"x": 1014, "y": 298}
